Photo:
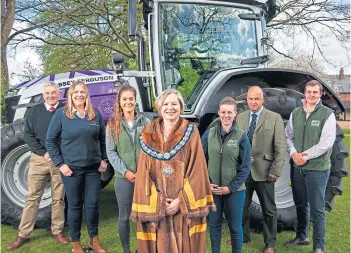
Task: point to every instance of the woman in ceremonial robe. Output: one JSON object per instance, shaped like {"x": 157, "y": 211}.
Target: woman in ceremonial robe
{"x": 172, "y": 194}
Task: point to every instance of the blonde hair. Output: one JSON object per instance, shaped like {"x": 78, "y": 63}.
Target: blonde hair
{"x": 228, "y": 101}
{"x": 114, "y": 126}
{"x": 69, "y": 106}
{"x": 161, "y": 99}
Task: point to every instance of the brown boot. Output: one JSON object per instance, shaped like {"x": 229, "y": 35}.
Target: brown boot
{"x": 94, "y": 244}
{"x": 77, "y": 248}
{"x": 17, "y": 243}
{"x": 61, "y": 238}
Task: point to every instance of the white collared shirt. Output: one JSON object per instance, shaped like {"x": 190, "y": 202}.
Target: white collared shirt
{"x": 326, "y": 141}
{"x": 75, "y": 111}
{"x": 257, "y": 113}
{"x": 49, "y": 106}
{"x": 304, "y": 106}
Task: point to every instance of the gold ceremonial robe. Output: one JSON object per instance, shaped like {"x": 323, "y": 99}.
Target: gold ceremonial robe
{"x": 172, "y": 169}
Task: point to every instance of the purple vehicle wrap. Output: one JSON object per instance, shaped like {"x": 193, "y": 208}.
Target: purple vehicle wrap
{"x": 102, "y": 85}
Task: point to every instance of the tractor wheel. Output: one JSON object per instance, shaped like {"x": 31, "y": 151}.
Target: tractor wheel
{"x": 15, "y": 156}
{"x": 339, "y": 169}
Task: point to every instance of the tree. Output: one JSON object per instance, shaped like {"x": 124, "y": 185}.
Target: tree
{"x": 84, "y": 40}
{"x": 30, "y": 72}
{"x": 314, "y": 19}
{"x": 301, "y": 62}
{"x": 7, "y": 20}
{"x": 99, "y": 26}
{"x": 86, "y": 25}
{"x": 11, "y": 36}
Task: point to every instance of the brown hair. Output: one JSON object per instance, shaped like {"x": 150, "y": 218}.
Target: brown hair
{"x": 69, "y": 106}
{"x": 228, "y": 101}
{"x": 313, "y": 83}
{"x": 114, "y": 125}
{"x": 161, "y": 99}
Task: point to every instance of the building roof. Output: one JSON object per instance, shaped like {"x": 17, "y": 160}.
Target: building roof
{"x": 340, "y": 86}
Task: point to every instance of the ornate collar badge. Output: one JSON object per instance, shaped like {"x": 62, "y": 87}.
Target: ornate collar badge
{"x": 170, "y": 154}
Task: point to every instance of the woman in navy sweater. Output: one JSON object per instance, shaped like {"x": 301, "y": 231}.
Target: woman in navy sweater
{"x": 76, "y": 143}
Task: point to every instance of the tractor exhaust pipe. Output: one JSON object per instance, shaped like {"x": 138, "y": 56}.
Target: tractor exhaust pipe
{"x": 132, "y": 17}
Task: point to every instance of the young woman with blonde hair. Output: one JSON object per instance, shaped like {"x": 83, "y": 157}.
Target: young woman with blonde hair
{"x": 76, "y": 144}
{"x": 122, "y": 144}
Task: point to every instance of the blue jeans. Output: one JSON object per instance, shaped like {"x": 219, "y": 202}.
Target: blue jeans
{"x": 83, "y": 188}
{"x": 232, "y": 206}
{"x": 308, "y": 187}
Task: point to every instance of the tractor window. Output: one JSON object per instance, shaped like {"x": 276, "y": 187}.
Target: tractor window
{"x": 197, "y": 40}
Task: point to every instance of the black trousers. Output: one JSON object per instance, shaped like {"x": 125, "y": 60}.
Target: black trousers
{"x": 83, "y": 189}
{"x": 265, "y": 193}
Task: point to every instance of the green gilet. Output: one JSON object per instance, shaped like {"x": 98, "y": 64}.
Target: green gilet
{"x": 128, "y": 150}
{"x": 223, "y": 156}
{"x": 307, "y": 133}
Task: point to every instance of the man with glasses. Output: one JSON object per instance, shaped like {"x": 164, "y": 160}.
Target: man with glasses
{"x": 41, "y": 167}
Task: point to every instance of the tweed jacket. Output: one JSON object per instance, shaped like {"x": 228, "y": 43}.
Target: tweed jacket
{"x": 268, "y": 143}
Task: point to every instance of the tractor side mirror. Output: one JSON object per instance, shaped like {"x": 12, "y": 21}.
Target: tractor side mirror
{"x": 118, "y": 62}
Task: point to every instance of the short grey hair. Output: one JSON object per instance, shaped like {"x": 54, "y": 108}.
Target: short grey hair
{"x": 51, "y": 84}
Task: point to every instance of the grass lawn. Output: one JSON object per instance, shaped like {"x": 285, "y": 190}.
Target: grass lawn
{"x": 337, "y": 235}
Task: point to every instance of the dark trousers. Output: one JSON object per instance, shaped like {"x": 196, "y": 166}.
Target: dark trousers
{"x": 232, "y": 205}
{"x": 124, "y": 190}
{"x": 265, "y": 193}
{"x": 308, "y": 187}
{"x": 83, "y": 189}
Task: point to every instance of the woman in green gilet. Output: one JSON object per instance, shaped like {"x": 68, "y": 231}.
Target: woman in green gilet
{"x": 228, "y": 153}
{"x": 122, "y": 147}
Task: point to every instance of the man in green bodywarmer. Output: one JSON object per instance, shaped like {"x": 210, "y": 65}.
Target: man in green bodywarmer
{"x": 310, "y": 137}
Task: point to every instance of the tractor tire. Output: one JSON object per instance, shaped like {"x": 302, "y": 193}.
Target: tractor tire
{"x": 15, "y": 156}
{"x": 339, "y": 169}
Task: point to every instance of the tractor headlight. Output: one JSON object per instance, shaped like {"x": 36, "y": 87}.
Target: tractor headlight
{"x": 16, "y": 92}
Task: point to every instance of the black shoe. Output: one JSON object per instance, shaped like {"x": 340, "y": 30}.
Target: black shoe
{"x": 298, "y": 242}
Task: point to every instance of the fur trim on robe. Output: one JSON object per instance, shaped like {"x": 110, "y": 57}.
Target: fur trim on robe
{"x": 172, "y": 169}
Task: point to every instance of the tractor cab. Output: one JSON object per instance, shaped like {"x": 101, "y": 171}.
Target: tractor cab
{"x": 211, "y": 49}
{"x": 189, "y": 41}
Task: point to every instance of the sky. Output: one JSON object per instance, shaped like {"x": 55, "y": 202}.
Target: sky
{"x": 301, "y": 44}
{"x": 332, "y": 50}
